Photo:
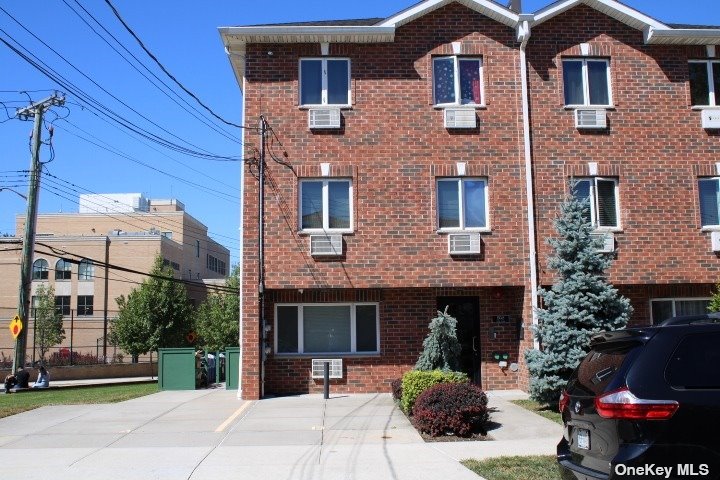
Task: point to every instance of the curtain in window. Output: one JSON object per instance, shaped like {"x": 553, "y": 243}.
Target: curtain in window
{"x": 312, "y": 214}
{"x": 598, "y": 83}
{"x": 287, "y": 329}
{"x": 366, "y": 328}
{"x": 606, "y": 203}
{"x": 708, "y": 190}
{"x": 581, "y": 191}
{"x": 311, "y": 82}
{"x": 448, "y": 204}
{"x": 444, "y": 76}
{"x": 339, "y": 204}
{"x": 470, "y": 82}
{"x": 691, "y": 307}
{"x": 573, "y": 82}
{"x": 474, "y": 191}
{"x": 337, "y": 82}
{"x": 699, "y": 84}
{"x": 326, "y": 329}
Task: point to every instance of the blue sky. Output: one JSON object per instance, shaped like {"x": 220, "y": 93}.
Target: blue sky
{"x": 183, "y": 35}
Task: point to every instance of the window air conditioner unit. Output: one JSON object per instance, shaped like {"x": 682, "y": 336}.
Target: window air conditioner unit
{"x": 460, "y": 118}
{"x": 715, "y": 241}
{"x": 590, "y": 118}
{"x": 608, "y": 239}
{"x": 324, "y": 118}
{"x": 318, "y": 367}
{"x": 326, "y": 245}
{"x": 464, "y": 243}
{"x": 711, "y": 119}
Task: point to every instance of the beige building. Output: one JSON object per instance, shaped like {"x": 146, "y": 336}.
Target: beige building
{"x": 90, "y": 259}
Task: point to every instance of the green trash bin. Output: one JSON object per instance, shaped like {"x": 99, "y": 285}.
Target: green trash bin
{"x": 176, "y": 369}
{"x": 232, "y": 368}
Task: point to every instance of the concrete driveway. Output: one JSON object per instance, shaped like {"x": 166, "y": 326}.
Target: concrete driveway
{"x": 211, "y": 434}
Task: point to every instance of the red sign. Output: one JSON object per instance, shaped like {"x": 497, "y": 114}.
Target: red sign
{"x": 16, "y": 326}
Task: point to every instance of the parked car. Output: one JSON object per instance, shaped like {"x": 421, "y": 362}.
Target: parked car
{"x": 645, "y": 403}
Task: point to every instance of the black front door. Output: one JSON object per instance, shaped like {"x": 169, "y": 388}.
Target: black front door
{"x": 467, "y": 312}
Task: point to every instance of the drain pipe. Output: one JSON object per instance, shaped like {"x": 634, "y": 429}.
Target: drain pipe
{"x": 524, "y": 36}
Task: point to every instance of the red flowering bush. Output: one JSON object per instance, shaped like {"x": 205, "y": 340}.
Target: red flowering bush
{"x": 451, "y": 408}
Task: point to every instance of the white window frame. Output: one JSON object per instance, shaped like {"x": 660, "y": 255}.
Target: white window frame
{"x": 353, "y": 326}
{"x": 713, "y": 96}
{"x": 456, "y": 65}
{"x": 707, "y": 228}
{"x": 586, "y": 83}
{"x": 461, "y": 204}
{"x": 594, "y": 203}
{"x": 326, "y": 205}
{"x": 673, "y": 300}
{"x": 324, "y": 91}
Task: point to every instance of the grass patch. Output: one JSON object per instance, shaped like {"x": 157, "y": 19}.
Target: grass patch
{"x": 547, "y": 411}
{"x": 516, "y": 468}
{"x": 11, "y": 404}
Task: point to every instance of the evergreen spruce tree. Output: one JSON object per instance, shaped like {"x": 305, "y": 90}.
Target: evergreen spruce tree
{"x": 441, "y": 349}
{"x": 580, "y": 303}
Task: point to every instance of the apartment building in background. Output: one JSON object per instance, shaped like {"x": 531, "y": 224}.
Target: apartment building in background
{"x": 428, "y": 154}
{"x": 93, "y": 256}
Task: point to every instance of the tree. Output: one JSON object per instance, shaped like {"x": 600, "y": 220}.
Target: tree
{"x": 441, "y": 349}
{"x": 580, "y": 303}
{"x": 218, "y": 318}
{"x": 155, "y": 315}
{"x": 714, "y": 305}
{"x": 48, "y": 321}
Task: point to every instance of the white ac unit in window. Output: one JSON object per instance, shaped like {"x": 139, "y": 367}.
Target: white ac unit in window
{"x": 460, "y": 118}
{"x": 608, "y": 239}
{"x": 324, "y": 118}
{"x": 318, "y": 367}
{"x": 711, "y": 118}
{"x": 715, "y": 241}
{"x": 464, "y": 243}
{"x": 590, "y": 118}
{"x": 326, "y": 245}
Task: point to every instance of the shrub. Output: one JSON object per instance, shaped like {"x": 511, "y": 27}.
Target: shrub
{"x": 397, "y": 388}
{"x": 451, "y": 408}
{"x": 416, "y": 382}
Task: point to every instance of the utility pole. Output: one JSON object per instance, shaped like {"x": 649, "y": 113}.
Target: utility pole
{"x": 36, "y": 111}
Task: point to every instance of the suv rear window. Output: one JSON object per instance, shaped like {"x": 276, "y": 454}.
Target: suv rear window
{"x": 601, "y": 365}
{"x": 694, "y": 363}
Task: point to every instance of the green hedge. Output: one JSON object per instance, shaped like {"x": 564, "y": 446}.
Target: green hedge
{"x": 415, "y": 382}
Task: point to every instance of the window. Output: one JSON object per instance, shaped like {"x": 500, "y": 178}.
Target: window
{"x": 34, "y": 304}
{"x": 327, "y": 328}
{"x": 86, "y": 270}
{"x": 705, "y": 82}
{"x": 587, "y": 82}
{"x": 40, "y": 269}
{"x": 197, "y": 248}
{"x": 602, "y": 194}
{"x": 457, "y": 81}
{"x": 325, "y": 81}
{"x": 62, "y": 304}
{"x": 690, "y": 366}
{"x": 662, "y": 309}
{"x": 462, "y": 203}
{"x": 63, "y": 269}
{"x": 709, "y": 192}
{"x": 215, "y": 264}
{"x": 84, "y": 305}
{"x": 326, "y": 205}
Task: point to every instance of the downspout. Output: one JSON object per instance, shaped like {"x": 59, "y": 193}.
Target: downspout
{"x": 524, "y": 35}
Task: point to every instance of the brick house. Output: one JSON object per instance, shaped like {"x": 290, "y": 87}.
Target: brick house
{"x": 421, "y": 158}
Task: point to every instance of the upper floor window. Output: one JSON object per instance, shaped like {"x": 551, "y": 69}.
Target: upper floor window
{"x": 40, "y": 269}
{"x": 586, "y": 82}
{"x": 709, "y": 191}
{"x": 63, "y": 270}
{"x": 62, "y": 304}
{"x": 602, "y": 194}
{"x": 326, "y": 205}
{"x": 86, "y": 270}
{"x": 457, "y": 81}
{"x": 462, "y": 203}
{"x": 197, "y": 248}
{"x": 325, "y": 81}
{"x": 705, "y": 82}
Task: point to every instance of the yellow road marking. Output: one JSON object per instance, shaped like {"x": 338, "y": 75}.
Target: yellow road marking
{"x": 232, "y": 417}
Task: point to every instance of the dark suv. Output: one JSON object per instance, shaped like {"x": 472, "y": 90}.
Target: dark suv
{"x": 645, "y": 403}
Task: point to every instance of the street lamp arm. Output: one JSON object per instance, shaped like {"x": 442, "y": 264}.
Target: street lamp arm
{"x": 15, "y": 192}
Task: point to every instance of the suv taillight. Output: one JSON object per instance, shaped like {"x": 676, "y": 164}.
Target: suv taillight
{"x": 623, "y": 405}
{"x": 563, "y": 402}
